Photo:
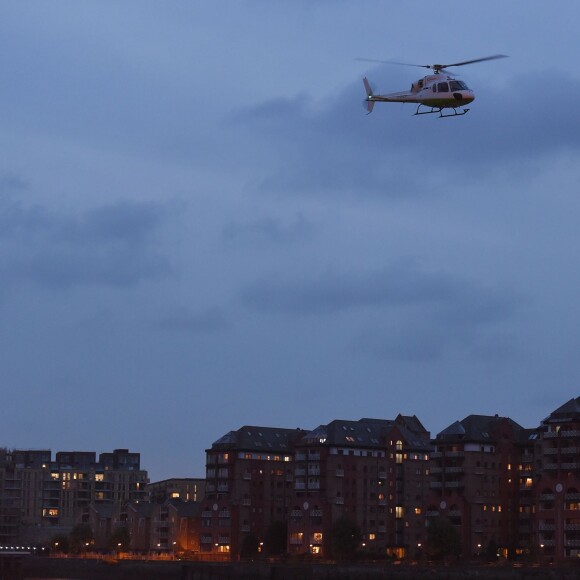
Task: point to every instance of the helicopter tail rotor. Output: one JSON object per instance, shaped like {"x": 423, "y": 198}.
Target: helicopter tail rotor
{"x": 369, "y": 102}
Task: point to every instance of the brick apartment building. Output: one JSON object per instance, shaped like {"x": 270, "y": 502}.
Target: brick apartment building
{"x": 475, "y": 481}
{"x": 249, "y": 475}
{"x": 40, "y": 498}
{"x": 556, "y": 484}
{"x": 372, "y": 472}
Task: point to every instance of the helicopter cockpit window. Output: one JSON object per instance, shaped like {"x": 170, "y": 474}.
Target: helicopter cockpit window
{"x": 458, "y": 86}
{"x": 442, "y": 88}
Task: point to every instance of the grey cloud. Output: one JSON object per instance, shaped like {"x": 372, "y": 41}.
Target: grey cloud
{"x": 400, "y": 285}
{"x": 267, "y": 229}
{"x": 111, "y": 245}
{"x": 333, "y": 147}
{"x": 207, "y": 321}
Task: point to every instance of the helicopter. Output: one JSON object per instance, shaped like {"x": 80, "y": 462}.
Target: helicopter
{"x": 435, "y": 92}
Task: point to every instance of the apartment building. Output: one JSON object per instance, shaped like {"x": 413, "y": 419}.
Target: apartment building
{"x": 475, "y": 481}
{"x": 556, "y": 484}
{"x": 40, "y": 498}
{"x": 372, "y": 472}
{"x": 183, "y": 488}
{"x": 249, "y": 475}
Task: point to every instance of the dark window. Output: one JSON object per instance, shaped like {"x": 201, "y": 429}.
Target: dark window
{"x": 443, "y": 88}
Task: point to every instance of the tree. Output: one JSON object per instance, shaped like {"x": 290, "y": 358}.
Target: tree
{"x": 443, "y": 539}
{"x": 120, "y": 539}
{"x": 250, "y": 545}
{"x": 60, "y": 544}
{"x": 276, "y": 537}
{"x": 345, "y": 539}
{"x": 79, "y": 537}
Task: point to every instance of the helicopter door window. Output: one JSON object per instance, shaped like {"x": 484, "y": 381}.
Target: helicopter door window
{"x": 442, "y": 88}
{"x": 434, "y": 87}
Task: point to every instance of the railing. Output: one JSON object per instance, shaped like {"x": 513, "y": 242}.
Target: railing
{"x": 246, "y": 501}
{"x": 299, "y": 471}
{"x": 546, "y": 527}
{"x": 551, "y": 451}
{"x": 300, "y": 457}
{"x": 339, "y": 501}
{"x": 546, "y": 497}
{"x": 453, "y": 469}
{"x": 296, "y": 513}
{"x": 314, "y": 457}
{"x": 340, "y": 473}
{"x": 299, "y": 485}
{"x": 574, "y": 465}
{"x": 313, "y": 485}
{"x": 247, "y": 476}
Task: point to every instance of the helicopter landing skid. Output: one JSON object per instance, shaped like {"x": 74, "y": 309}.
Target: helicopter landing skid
{"x": 440, "y": 111}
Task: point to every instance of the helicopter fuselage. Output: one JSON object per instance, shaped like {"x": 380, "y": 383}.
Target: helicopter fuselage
{"x": 438, "y": 91}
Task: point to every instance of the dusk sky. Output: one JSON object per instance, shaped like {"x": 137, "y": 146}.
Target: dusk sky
{"x": 200, "y": 227}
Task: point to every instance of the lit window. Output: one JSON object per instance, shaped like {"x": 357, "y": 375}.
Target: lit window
{"x": 372, "y": 536}
{"x": 418, "y": 511}
{"x": 399, "y": 510}
{"x": 175, "y": 494}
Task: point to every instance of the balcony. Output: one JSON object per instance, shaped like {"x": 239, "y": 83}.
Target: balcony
{"x": 572, "y": 496}
{"x": 572, "y": 527}
{"x": 435, "y": 470}
{"x": 296, "y": 514}
{"x": 544, "y": 527}
{"x": 300, "y": 457}
{"x": 550, "y": 434}
{"x": 551, "y": 466}
{"x": 315, "y": 513}
{"x": 300, "y": 472}
{"x": 572, "y": 543}
{"x": 546, "y": 497}
{"x": 570, "y": 433}
{"x": 206, "y": 514}
{"x": 574, "y": 465}
{"x": 314, "y": 485}
{"x": 551, "y": 451}
{"x": 339, "y": 501}
{"x": 246, "y": 501}
{"x": 222, "y": 487}
{"x": 436, "y": 455}
{"x": 314, "y": 457}
{"x": 453, "y": 469}
{"x": 314, "y": 470}
{"x": 299, "y": 485}
{"x": 566, "y": 450}
{"x": 340, "y": 473}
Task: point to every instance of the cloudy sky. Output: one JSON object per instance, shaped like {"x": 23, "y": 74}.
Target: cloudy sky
{"x": 200, "y": 228}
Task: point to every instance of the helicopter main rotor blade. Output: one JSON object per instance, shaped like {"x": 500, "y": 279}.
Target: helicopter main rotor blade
{"x": 494, "y": 57}
{"x": 436, "y": 67}
{"x": 393, "y": 62}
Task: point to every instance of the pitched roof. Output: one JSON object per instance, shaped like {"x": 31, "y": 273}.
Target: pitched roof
{"x": 568, "y": 411}
{"x": 253, "y": 438}
{"x": 362, "y": 433}
{"x": 478, "y": 428}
